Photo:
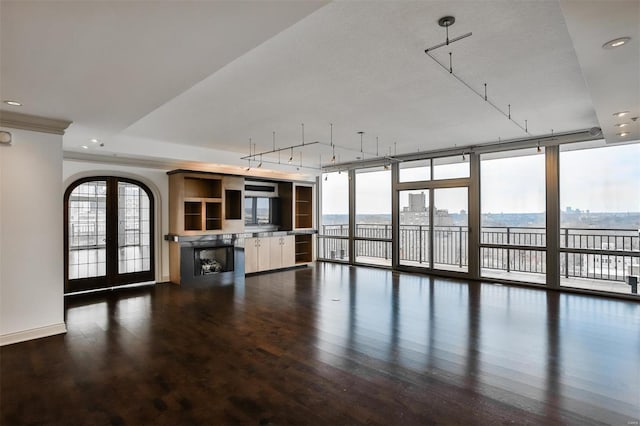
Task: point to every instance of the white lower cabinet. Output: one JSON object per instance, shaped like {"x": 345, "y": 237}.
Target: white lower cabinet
{"x": 267, "y": 253}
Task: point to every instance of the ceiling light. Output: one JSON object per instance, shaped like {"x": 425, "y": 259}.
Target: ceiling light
{"x": 620, "y": 113}
{"x": 291, "y": 156}
{"x": 94, "y": 140}
{"x": 621, "y": 125}
{"x": 84, "y": 147}
{"x": 616, "y": 43}
{"x": 623, "y": 134}
{"x": 12, "y": 103}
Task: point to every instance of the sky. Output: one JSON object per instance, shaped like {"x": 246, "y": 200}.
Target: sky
{"x": 603, "y": 179}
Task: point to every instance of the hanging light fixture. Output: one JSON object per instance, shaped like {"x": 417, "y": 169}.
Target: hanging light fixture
{"x": 260, "y": 163}
{"x": 539, "y": 149}
{"x": 291, "y": 156}
{"x": 333, "y": 147}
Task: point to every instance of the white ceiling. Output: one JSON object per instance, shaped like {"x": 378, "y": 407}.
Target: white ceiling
{"x": 213, "y": 74}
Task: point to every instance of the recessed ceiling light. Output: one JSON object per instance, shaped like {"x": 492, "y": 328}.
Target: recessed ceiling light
{"x": 94, "y": 140}
{"x": 620, "y": 114}
{"x": 621, "y": 125}
{"x": 616, "y": 43}
{"x": 623, "y": 134}
{"x": 84, "y": 147}
{"x": 12, "y": 103}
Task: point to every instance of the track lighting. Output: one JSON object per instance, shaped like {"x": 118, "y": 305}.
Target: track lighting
{"x": 291, "y": 157}
{"x": 539, "y": 149}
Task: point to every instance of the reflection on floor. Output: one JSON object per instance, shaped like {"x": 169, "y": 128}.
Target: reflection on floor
{"x": 332, "y": 344}
{"x": 527, "y": 277}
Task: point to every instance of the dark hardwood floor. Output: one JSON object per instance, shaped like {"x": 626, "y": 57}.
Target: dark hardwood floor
{"x": 331, "y": 345}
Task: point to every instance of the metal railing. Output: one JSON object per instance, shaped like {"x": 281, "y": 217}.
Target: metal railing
{"x": 605, "y": 254}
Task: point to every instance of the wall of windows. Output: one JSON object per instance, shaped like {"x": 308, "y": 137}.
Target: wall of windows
{"x": 333, "y": 239}
{"x": 561, "y": 215}
{"x": 599, "y": 216}
{"x": 513, "y": 215}
{"x": 373, "y": 216}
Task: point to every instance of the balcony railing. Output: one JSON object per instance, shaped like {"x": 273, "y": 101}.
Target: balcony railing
{"x": 603, "y": 254}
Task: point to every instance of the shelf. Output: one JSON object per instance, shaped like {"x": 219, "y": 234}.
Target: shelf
{"x": 303, "y": 206}
{"x": 213, "y": 216}
{"x": 304, "y": 253}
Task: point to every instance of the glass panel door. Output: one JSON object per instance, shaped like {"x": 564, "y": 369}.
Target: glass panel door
{"x": 451, "y": 229}
{"x": 414, "y": 228}
{"x": 108, "y": 234}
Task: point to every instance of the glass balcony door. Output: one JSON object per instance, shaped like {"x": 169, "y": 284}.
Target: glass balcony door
{"x": 451, "y": 229}
{"x": 108, "y": 234}
{"x": 414, "y": 220}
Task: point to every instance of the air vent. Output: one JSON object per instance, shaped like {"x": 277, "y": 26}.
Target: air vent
{"x": 260, "y": 188}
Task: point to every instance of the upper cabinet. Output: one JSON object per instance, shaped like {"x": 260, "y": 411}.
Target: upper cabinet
{"x": 204, "y": 203}
{"x": 208, "y": 203}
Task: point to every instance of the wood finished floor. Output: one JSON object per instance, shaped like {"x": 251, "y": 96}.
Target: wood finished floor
{"x": 331, "y": 345}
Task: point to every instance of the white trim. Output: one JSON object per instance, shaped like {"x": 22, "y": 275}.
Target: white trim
{"x": 34, "y": 333}
{"x": 16, "y": 120}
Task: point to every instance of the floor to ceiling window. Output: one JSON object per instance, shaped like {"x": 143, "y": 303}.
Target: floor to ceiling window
{"x": 504, "y": 194}
{"x": 373, "y": 216}
{"x": 600, "y": 216}
{"x": 333, "y": 238}
{"x": 513, "y": 223}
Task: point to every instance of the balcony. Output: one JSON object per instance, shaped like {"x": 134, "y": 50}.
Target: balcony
{"x": 596, "y": 259}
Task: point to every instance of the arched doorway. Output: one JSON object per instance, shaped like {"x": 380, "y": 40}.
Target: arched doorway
{"x": 109, "y": 233}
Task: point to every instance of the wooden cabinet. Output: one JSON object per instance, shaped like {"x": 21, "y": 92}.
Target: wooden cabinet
{"x": 205, "y": 203}
{"x": 268, "y": 253}
{"x": 303, "y": 207}
{"x": 282, "y": 251}
{"x": 257, "y": 255}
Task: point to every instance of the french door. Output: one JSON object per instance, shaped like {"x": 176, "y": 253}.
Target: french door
{"x": 433, "y": 228}
{"x": 108, "y": 226}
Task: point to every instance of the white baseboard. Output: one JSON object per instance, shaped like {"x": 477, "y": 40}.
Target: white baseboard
{"x": 34, "y": 333}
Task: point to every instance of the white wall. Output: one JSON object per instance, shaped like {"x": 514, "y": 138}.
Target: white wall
{"x": 31, "y": 237}
{"x": 156, "y": 180}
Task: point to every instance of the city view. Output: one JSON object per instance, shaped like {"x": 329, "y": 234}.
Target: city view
{"x": 599, "y": 220}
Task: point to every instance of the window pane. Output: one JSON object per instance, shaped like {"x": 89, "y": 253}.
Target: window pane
{"x": 513, "y": 209}
{"x": 600, "y": 211}
{"x": 248, "y": 211}
{"x": 450, "y": 229}
{"x": 373, "y": 215}
{"x": 134, "y": 229}
{"x": 262, "y": 210}
{"x": 87, "y": 230}
{"x": 414, "y": 227}
{"x": 334, "y": 216}
{"x": 451, "y": 167}
{"x": 412, "y": 171}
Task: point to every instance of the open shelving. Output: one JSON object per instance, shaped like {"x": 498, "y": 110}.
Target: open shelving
{"x": 304, "y": 248}
{"x": 304, "y": 207}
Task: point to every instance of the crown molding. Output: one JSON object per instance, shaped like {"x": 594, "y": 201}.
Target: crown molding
{"x": 16, "y": 120}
